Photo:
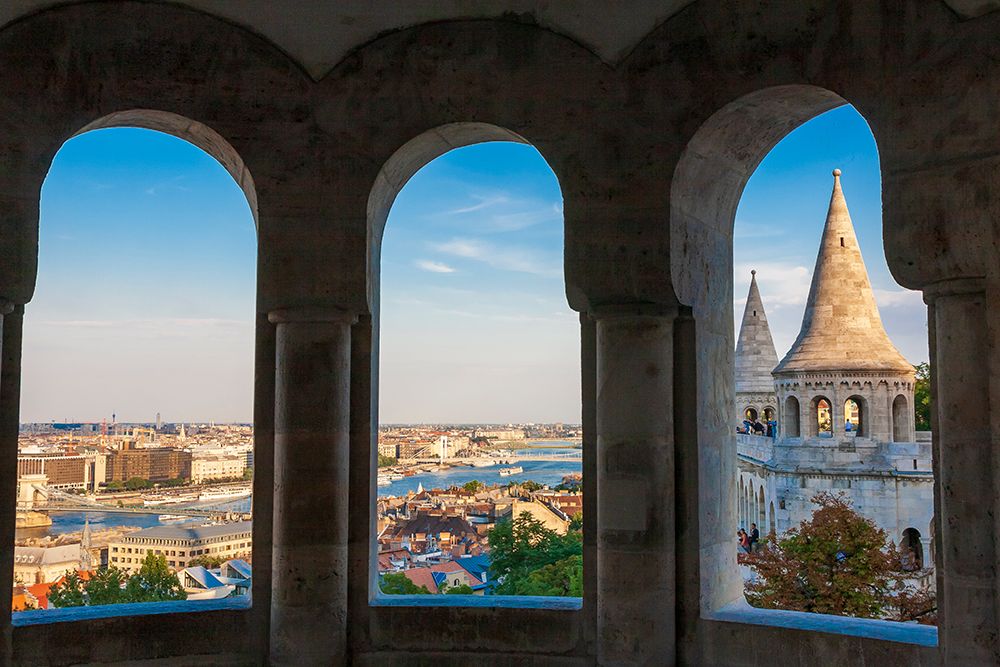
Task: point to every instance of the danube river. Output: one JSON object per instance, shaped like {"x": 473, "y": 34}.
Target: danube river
{"x": 548, "y": 473}
{"x": 71, "y": 522}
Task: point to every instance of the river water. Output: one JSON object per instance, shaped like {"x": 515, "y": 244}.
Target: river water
{"x": 548, "y": 473}
{"x": 70, "y": 522}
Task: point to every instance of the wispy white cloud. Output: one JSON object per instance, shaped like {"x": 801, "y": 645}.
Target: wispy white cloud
{"x": 900, "y": 298}
{"x": 780, "y": 284}
{"x": 484, "y": 202}
{"x": 433, "y": 267}
{"x": 510, "y": 258}
{"x": 173, "y": 184}
{"x": 164, "y": 323}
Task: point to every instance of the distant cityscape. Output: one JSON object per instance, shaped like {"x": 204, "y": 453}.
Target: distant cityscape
{"x": 124, "y": 499}
{"x": 99, "y": 497}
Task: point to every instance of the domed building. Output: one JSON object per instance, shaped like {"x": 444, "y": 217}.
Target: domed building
{"x": 844, "y": 397}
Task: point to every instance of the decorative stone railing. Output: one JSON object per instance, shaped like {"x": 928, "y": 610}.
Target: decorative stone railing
{"x": 756, "y": 447}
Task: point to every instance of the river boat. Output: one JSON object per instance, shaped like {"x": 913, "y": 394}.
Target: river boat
{"x": 225, "y": 494}
{"x": 172, "y": 517}
{"x": 383, "y": 480}
{"x": 507, "y": 472}
{"x": 481, "y": 463}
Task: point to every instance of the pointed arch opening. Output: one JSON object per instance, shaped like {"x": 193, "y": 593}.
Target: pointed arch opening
{"x": 702, "y": 220}
{"x": 475, "y": 356}
{"x": 137, "y": 369}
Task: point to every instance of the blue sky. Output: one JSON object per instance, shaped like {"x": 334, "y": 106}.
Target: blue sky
{"x": 145, "y": 293}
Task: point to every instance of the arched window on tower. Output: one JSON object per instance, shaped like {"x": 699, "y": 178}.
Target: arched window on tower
{"x": 912, "y": 549}
{"x": 822, "y": 419}
{"x": 791, "y": 417}
{"x": 855, "y": 420}
{"x": 900, "y": 419}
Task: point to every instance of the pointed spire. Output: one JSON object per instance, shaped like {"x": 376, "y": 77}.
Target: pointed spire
{"x": 841, "y": 327}
{"x": 755, "y": 355}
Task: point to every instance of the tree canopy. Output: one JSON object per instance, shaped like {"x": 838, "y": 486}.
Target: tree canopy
{"x": 521, "y": 548}
{"x": 397, "y": 583}
{"x": 836, "y": 562}
{"x": 154, "y": 582}
{"x": 922, "y": 396}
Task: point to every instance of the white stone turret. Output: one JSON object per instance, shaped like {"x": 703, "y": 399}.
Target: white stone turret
{"x": 842, "y": 351}
{"x": 754, "y": 361}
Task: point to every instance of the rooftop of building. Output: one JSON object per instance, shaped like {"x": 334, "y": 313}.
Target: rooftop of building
{"x": 190, "y": 532}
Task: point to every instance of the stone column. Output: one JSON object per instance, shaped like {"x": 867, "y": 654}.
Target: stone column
{"x": 965, "y": 471}
{"x": 635, "y": 486}
{"x": 309, "y": 567}
{"x": 11, "y": 321}
{"x": 6, "y": 307}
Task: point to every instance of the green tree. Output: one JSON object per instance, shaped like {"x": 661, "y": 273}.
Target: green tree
{"x": 385, "y": 461}
{"x": 114, "y": 486}
{"x": 176, "y": 481}
{"x": 154, "y": 582}
{"x": 922, "y": 396}
{"x": 136, "y": 483}
{"x": 247, "y": 474}
{"x": 562, "y": 578}
{"x": 397, "y": 583}
{"x": 67, "y": 593}
{"x": 836, "y": 562}
{"x": 207, "y": 561}
{"x": 576, "y": 522}
{"x": 105, "y": 586}
{"x": 464, "y": 589}
{"x": 473, "y": 486}
{"x": 523, "y": 545}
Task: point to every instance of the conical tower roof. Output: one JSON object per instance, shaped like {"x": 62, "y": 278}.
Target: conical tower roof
{"x": 841, "y": 327}
{"x": 755, "y": 355}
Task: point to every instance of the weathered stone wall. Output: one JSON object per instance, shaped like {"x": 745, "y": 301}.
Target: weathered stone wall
{"x": 652, "y": 154}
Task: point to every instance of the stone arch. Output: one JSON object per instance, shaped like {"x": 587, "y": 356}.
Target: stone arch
{"x": 705, "y": 191}
{"x": 900, "y": 418}
{"x": 860, "y": 423}
{"x": 912, "y": 548}
{"x": 750, "y": 413}
{"x": 393, "y": 176}
{"x": 790, "y": 418}
{"x": 190, "y": 131}
{"x": 820, "y": 416}
{"x": 761, "y": 509}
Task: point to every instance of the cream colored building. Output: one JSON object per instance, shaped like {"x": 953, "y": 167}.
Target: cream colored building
{"x": 38, "y": 565}
{"x": 217, "y": 467}
{"x": 180, "y": 544}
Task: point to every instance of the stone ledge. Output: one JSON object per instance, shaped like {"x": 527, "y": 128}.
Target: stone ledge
{"x": 88, "y": 613}
{"x": 482, "y": 601}
{"x": 908, "y": 633}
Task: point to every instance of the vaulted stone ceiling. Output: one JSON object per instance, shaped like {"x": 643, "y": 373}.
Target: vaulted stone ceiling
{"x": 318, "y": 33}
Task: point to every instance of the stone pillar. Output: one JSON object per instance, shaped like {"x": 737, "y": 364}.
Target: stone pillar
{"x": 807, "y": 416}
{"x": 635, "y": 486}
{"x": 11, "y": 326}
{"x": 965, "y": 468}
{"x": 312, "y": 407}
